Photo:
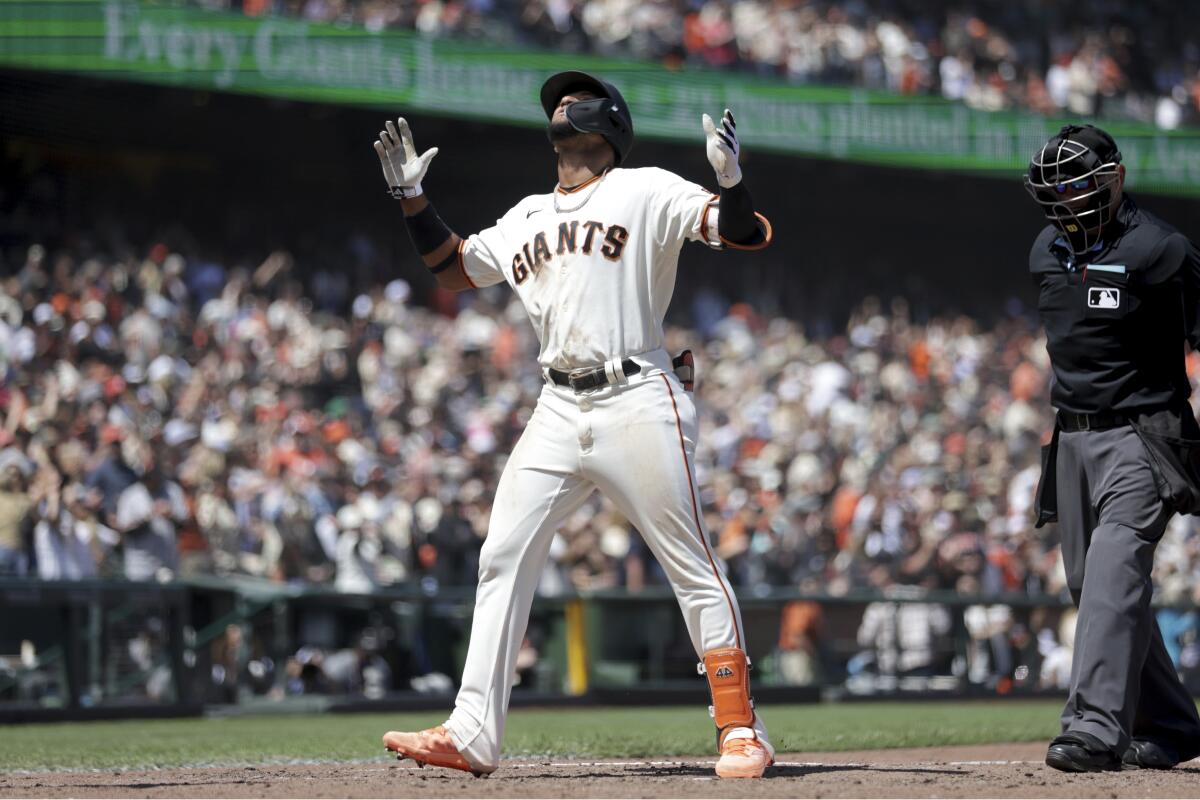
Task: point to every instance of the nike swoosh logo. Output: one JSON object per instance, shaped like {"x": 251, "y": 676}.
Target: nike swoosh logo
{"x": 531, "y": 212}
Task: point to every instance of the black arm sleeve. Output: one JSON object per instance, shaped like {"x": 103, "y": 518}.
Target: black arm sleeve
{"x": 736, "y": 221}
{"x": 427, "y": 230}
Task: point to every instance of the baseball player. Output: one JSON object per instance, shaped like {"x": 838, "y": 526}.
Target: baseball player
{"x": 1117, "y": 293}
{"x": 594, "y": 263}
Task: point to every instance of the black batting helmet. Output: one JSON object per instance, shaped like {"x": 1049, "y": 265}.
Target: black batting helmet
{"x": 608, "y": 115}
{"x": 1074, "y": 177}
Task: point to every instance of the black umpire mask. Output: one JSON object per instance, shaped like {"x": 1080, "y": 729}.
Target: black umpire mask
{"x": 1075, "y": 178}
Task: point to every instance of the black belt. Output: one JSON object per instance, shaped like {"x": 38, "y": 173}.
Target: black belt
{"x": 582, "y": 380}
{"x": 1068, "y": 421}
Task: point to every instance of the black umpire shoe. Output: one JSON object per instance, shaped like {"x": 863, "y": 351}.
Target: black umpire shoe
{"x": 1076, "y": 751}
{"x": 1145, "y": 754}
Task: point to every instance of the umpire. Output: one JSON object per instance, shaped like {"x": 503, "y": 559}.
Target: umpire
{"x": 1117, "y": 293}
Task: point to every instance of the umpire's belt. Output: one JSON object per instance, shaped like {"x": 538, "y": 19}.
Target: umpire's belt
{"x": 581, "y": 380}
{"x": 1068, "y": 421}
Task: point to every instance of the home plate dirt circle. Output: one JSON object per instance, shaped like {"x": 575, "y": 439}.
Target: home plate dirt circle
{"x": 1014, "y": 770}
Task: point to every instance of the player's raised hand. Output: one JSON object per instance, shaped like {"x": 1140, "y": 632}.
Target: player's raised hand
{"x": 402, "y": 167}
{"x": 722, "y": 147}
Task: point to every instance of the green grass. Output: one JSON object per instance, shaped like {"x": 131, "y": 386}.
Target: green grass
{"x": 589, "y": 733}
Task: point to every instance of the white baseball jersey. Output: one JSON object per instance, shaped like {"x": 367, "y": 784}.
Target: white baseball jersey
{"x": 595, "y": 266}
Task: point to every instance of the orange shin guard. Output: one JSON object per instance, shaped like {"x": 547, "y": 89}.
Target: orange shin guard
{"x": 728, "y": 673}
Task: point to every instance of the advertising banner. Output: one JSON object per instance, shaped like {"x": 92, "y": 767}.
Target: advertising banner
{"x": 401, "y": 72}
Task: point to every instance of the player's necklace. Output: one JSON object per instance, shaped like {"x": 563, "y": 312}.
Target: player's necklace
{"x": 583, "y": 195}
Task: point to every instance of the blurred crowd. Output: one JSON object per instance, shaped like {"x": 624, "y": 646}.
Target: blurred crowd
{"x": 163, "y": 415}
{"x": 1095, "y": 57}
{"x": 166, "y": 415}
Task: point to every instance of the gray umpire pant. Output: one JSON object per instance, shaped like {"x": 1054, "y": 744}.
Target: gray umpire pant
{"x": 1110, "y": 519}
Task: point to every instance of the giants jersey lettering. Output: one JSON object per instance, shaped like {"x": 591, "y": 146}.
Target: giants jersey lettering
{"x": 595, "y": 277}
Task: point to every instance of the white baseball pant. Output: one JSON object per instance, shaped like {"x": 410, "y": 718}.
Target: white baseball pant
{"x": 635, "y": 442}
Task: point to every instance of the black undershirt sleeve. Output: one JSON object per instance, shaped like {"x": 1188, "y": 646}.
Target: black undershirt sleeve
{"x": 736, "y": 221}
{"x": 427, "y": 230}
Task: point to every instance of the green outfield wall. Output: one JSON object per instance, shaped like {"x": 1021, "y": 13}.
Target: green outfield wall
{"x": 175, "y": 45}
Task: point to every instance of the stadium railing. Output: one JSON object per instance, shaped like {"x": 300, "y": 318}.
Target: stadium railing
{"x": 110, "y": 649}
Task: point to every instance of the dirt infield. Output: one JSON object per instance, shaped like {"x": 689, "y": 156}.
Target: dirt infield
{"x": 970, "y": 771}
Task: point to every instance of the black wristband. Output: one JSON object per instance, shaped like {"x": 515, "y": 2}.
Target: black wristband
{"x": 427, "y": 230}
{"x": 736, "y": 221}
{"x": 446, "y": 262}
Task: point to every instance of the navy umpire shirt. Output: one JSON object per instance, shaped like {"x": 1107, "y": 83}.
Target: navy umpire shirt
{"x": 1116, "y": 317}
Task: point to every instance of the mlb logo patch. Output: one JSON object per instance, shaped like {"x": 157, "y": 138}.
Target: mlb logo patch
{"x": 1104, "y": 297}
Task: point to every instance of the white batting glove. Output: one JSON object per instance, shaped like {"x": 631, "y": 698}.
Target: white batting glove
{"x": 402, "y": 167}
{"x": 722, "y": 148}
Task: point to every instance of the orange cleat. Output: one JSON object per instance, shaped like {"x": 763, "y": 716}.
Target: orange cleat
{"x": 432, "y": 746}
{"x": 743, "y": 758}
